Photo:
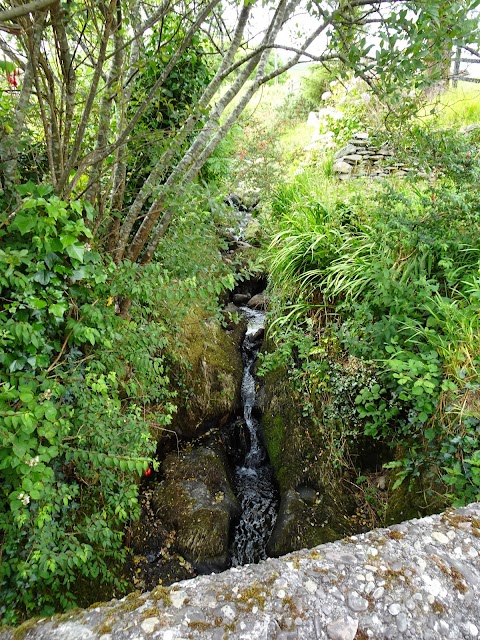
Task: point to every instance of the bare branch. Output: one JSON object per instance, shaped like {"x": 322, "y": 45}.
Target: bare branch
{"x": 24, "y": 9}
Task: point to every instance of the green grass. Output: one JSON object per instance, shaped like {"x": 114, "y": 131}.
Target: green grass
{"x": 457, "y": 107}
{"x": 296, "y": 137}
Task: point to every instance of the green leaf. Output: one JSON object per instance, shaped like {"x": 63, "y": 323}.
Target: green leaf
{"x": 50, "y": 413}
{"x": 141, "y": 467}
{"x": 79, "y": 274}
{"x": 42, "y": 277}
{"x": 24, "y": 223}
{"x": 58, "y": 309}
{"x": 27, "y": 188}
{"x": 6, "y": 65}
{"x": 38, "y": 303}
{"x": 76, "y": 251}
{"x": 67, "y": 240}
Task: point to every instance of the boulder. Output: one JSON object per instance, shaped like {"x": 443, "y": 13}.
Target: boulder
{"x": 208, "y": 378}
{"x": 314, "y": 500}
{"x": 253, "y": 232}
{"x": 241, "y": 298}
{"x": 342, "y": 167}
{"x": 257, "y": 302}
{"x": 287, "y": 534}
{"x": 197, "y": 501}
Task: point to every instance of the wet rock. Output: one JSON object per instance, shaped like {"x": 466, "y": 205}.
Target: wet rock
{"x": 299, "y": 466}
{"x": 230, "y": 309}
{"x": 241, "y": 298}
{"x": 258, "y": 301}
{"x": 307, "y": 494}
{"x": 286, "y": 533}
{"x": 197, "y": 501}
{"x": 258, "y": 335}
{"x": 236, "y": 201}
{"x": 236, "y": 440}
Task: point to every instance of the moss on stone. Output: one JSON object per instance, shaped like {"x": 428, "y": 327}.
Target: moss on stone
{"x": 197, "y": 501}
{"x": 414, "y": 499}
{"x": 161, "y": 593}
{"x": 209, "y": 375}
{"x": 253, "y": 595}
{"x": 274, "y": 432}
{"x": 298, "y": 452}
{"x": 20, "y": 632}
{"x": 205, "y": 536}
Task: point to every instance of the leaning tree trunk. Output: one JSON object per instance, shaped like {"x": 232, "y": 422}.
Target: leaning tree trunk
{"x": 9, "y": 145}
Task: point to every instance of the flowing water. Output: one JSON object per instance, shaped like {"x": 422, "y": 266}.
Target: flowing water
{"x": 254, "y": 479}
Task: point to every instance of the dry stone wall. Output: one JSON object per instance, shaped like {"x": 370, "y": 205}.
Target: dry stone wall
{"x": 361, "y": 157}
{"x": 419, "y": 580}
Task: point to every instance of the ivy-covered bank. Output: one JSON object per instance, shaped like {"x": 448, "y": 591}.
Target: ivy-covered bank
{"x": 372, "y": 370}
{"x": 87, "y": 393}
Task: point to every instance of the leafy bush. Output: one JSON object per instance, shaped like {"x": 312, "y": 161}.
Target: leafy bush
{"x": 84, "y": 393}
{"x": 297, "y": 105}
{"x": 71, "y": 449}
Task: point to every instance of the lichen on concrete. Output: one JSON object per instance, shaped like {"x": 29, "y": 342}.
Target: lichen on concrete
{"x": 419, "y": 580}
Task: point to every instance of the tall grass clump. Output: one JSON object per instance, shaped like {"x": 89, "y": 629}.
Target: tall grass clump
{"x": 397, "y": 268}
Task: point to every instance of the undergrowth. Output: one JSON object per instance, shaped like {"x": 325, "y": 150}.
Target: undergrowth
{"x": 85, "y": 394}
{"x": 387, "y": 277}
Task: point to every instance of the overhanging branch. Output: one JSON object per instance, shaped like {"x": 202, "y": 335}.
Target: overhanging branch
{"x": 23, "y": 9}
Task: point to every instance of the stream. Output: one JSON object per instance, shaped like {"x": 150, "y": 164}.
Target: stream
{"x": 254, "y": 482}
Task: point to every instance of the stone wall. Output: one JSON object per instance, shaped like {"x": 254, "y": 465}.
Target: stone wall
{"x": 361, "y": 157}
{"x": 419, "y": 580}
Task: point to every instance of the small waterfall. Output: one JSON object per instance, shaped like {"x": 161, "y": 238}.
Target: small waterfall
{"x": 253, "y": 476}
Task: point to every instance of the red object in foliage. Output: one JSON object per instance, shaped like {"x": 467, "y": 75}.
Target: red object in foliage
{"x": 148, "y": 472}
{"x": 12, "y": 78}
{"x": 469, "y": 155}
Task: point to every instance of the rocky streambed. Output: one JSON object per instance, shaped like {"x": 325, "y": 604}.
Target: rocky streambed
{"x": 213, "y": 502}
{"x": 244, "y": 473}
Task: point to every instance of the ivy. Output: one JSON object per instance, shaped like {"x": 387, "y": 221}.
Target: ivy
{"x": 71, "y": 449}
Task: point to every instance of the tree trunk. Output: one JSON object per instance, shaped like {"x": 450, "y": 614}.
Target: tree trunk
{"x": 9, "y": 145}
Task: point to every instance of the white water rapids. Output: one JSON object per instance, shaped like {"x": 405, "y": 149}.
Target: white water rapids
{"x": 254, "y": 480}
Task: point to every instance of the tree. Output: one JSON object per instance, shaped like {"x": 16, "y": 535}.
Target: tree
{"x": 82, "y": 63}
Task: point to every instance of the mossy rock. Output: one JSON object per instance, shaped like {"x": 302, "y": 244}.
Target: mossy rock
{"x": 253, "y": 232}
{"x": 209, "y": 378}
{"x": 299, "y": 455}
{"x": 204, "y": 538}
{"x": 299, "y": 525}
{"x": 415, "y": 498}
{"x": 197, "y": 501}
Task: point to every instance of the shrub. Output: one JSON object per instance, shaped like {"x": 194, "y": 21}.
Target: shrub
{"x": 71, "y": 450}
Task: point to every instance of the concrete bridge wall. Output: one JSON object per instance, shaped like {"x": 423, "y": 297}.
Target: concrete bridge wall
{"x": 419, "y": 580}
